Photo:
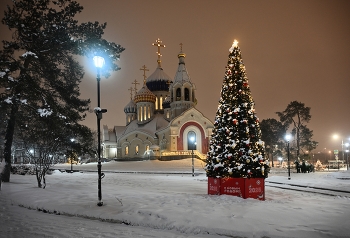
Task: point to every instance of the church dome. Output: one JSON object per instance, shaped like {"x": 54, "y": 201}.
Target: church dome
{"x": 130, "y": 107}
{"x": 144, "y": 95}
{"x": 158, "y": 81}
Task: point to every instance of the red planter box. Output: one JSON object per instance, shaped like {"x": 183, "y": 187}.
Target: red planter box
{"x": 232, "y": 186}
{"x": 240, "y": 187}
{"x": 214, "y": 186}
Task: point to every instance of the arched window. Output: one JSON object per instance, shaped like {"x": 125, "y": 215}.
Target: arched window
{"x": 187, "y": 94}
{"x": 126, "y": 150}
{"x": 149, "y": 111}
{"x": 161, "y": 102}
{"x": 147, "y": 147}
{"x": 178, "y": 94}
{"x": 191, "y": 140}
{"x": 156, "y": 103}
{"x": 137, "y": 150}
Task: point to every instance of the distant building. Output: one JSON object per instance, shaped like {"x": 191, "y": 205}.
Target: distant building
{"x": 161, "y": 119}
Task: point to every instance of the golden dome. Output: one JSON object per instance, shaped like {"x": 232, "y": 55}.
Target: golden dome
{"x": 144, "y": 95}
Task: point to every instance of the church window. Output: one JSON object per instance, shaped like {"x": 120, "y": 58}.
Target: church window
{"x": 156, "y": 103}
{"x": 126, "y": 150}
{"x": 140, "y": 114}
{"x": 161, "y": 102}
{"x": 137, "y": 150}
{"x": 147, "y": 147}
{"x": 178, "y": 94}
{"x": 187, "y": 94}
{"x": 144, "y": 113}
{"x": 149, "y": 111}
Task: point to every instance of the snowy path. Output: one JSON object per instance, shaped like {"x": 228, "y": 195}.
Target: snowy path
{"x": 169, "y": 206}
{"x": 19, "y": 222}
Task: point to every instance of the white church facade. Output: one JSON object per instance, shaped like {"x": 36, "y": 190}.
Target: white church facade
{"x": 161, "y": 119}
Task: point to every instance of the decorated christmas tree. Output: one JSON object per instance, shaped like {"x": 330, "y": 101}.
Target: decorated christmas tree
{"x": 236, "y": 149}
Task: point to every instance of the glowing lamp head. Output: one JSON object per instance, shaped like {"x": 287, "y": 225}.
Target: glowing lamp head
{"x": 99, "y": 61}
{"x": 288, "y": 137}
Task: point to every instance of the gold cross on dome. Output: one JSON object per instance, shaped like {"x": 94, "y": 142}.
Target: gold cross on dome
{"x": 158, "y": 44}
{"x": 144, "y": 68}
{"x": 135, "y": 82}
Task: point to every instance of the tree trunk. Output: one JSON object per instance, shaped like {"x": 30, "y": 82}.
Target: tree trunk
{"x": 38, "y": 177}
{"x": 10, "y": 130}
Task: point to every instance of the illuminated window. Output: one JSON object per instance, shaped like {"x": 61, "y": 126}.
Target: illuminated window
{"x": 167, "y": 114}
{"x": 161, "y": 102}
{"x": 140, "y": 113}
{"x": 137, "y": 150}
{"x": 156, "y": 103}
{"x": 149, "y": 111}
{"x": 144, "y": 113}
{"x": 126, "y": 150}
{"x": 147, "y": 147}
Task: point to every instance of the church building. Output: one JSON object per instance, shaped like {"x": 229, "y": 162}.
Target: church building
{"x": 161, "y": 120}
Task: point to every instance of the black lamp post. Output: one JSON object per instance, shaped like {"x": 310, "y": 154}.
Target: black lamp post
{"x": 71, "y": 159}
{"x": 99, "y": 62}
{"x": 192, "y": 139}
{"x": 288, "y": 139}
{"x": 347, "y": 156}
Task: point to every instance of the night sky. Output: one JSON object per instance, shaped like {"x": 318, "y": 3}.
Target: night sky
{"x": 293, "y": 50}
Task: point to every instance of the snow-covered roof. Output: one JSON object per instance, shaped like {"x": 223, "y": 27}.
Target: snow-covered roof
{"x": 157, "y": 123}
{"x": 159, "y": 74}
{"x": 119, "y": 130}
{"x": 130, "y": 107}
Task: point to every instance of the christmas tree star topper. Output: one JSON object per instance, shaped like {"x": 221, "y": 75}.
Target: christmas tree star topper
{"x": 234, "y": 45}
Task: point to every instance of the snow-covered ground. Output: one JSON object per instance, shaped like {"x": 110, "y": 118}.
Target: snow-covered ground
{"x": 157, "y": 204}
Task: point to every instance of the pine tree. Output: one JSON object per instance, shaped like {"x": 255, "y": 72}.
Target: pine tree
{"x": 236, "y": 149}
{"x": 39, "y": 68}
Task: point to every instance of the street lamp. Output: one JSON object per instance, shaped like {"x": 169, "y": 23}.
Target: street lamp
{"x": 280, "y": 161}
{"x": 288, "y": 139}
{"x": 347, "y": 155}
{"x": 192, "y": 139}
{"x": 30, "y": 157}
{"x": 99, "y": 62}
{"x": 342, "y": 148}
{"x": 71, "y": 159}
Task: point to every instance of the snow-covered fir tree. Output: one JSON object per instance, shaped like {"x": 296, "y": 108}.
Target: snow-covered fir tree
{"x": 236, "y": 149}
